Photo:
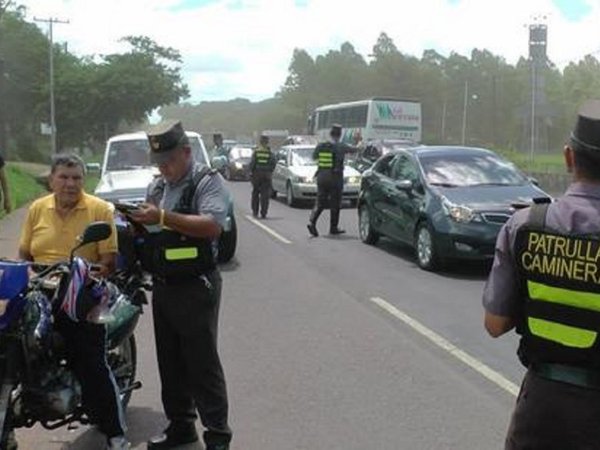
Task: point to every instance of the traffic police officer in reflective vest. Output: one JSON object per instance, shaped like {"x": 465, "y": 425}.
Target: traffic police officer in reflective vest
{"x": 545, "y": 282}
{"x": 188, "y": 203}
{"x": 262, "y": 165}
{"x": 330, "y": 158}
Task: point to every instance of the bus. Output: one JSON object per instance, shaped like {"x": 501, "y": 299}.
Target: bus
{"x": 370, "y": 120}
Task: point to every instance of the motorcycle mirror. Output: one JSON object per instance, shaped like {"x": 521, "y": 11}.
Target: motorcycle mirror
{"x": 96, "y": 232}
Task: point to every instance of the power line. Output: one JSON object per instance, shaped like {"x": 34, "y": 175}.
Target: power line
{"x": 51, "y": 21}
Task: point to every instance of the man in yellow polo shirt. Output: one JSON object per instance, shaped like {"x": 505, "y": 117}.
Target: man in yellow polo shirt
{"x": 49, "y": 233}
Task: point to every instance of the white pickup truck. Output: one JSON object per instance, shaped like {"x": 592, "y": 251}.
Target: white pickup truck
{"x": 126, "y": 174}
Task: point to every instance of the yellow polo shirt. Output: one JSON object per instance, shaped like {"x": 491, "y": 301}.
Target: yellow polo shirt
{"x": 49, "y": 238}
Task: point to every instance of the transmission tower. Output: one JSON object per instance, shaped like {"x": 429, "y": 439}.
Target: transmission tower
{"x": 538, "y": 111}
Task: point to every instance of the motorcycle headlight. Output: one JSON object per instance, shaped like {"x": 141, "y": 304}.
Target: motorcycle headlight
{"x": 460, "y": 213}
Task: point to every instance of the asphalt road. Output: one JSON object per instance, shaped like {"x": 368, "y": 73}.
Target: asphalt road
{"x": 311, "y": 360}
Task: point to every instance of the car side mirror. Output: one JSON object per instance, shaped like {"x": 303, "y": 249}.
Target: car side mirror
{"x": 534, "y": 181}
{"x": 93, "y": 167}
{"x": 404, "y": 185}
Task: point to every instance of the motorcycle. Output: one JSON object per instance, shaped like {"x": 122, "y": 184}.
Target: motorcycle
{"x": 36, "y": 382}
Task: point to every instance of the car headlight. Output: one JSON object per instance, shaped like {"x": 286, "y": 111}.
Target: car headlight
{"x": 353, "y": 180}
{"x": 303, "y": 180}
{"x": 239, "y": 165}
{"x": 460, "y": 213}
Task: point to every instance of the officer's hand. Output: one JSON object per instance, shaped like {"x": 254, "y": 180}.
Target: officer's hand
{"x": 147, "y": 214}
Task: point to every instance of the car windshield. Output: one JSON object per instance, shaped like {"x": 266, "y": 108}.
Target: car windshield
{"x": 240, "y": 153}
{"x": 302, "y": 157}
{"x": 197, "y": 150}
{"x": 462, "y": 170}
{"x": 127, "y": 155}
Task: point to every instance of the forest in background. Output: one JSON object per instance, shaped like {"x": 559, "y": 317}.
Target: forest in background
{"x": 499, "y": 95}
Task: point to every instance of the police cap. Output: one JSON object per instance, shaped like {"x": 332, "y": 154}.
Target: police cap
{"x": 336, "y": 130}
{"x": 164, "y": 138}
{"x": 587, "y": 128}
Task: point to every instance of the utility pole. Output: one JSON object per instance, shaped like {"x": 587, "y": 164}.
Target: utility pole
{"x": 465, "y": 105}
{"x": 51, "y": 21}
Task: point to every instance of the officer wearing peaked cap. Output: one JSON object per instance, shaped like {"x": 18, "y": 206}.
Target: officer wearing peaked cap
{"x": 188, "y": 202}
{"x": 330, "y": 157}
{"x": 545, "y": 283}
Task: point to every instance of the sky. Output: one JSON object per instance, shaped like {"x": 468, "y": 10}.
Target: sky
{"x": 242, "y": 48}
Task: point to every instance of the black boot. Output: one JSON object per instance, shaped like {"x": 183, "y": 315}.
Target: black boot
{"x": 312, "y": 229}
{"x": 336, "y": 231}
{"x": 176, "y": 434}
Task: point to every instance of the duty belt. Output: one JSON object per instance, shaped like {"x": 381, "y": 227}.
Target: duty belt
{"x": 577, "y": 376}
{"x": 174, "y": 280}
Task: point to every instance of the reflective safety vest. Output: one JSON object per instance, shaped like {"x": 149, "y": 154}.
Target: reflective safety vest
{"x": 326, "y": 155}
{"x": 560, "y": 282}
{"x": 263, "y": 158}
{"x": 173, "y": 256}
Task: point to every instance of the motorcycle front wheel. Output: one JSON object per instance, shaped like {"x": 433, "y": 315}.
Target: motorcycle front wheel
{"x": 123, "y": 362}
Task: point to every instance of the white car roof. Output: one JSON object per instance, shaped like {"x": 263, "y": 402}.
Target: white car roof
{"x": 298, "y": 146}
{"x": 143, "y": 135}
{"x": 128, "y": 137}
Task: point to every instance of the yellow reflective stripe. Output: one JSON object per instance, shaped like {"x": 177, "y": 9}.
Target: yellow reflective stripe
{"x": 326, "y": 160}
{"x": 563, "y": 334}
{"x": 576, "y": 299}
{"x": 178, "y": 254}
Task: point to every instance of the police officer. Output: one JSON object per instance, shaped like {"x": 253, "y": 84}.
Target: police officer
{"x": 330, "y": 180}
{"x": 545, "y": 282}
{"x": 218, "y": 147}
{"x": 188, "y": 204}
{"x": 262, "y": 165}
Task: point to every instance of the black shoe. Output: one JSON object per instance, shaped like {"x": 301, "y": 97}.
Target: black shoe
{"x": 255, "y": 215}
{"x": 175, "y": 435}
{"x": 263, "y": 216}
{"x": 337, "y": 231}
{"x": 217, "y": 446}
{"x": 312, "y": 229}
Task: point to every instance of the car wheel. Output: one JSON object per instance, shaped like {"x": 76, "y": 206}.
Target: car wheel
{"x": 353, "y": 203}
{"x": 427, "y": 257}
{"x": 228, "y": 243}
{"x": 289, "y": 195}
{"x": 365, "y": 227}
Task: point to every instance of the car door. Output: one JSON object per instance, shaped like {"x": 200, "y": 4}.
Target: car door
{"x": 378, "y": 184}
{"x": 407, "y": 194}
{"x": 280, "y": 172}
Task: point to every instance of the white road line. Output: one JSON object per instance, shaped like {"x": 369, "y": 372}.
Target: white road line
{"x": 483, "y": 369}
{"x": 273, "y": 233}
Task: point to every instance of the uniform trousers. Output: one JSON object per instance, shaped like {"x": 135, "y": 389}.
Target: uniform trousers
{"x": 330, "y": 187}
{"x": 261, "y": 192}
{"x": 192, "y": 379}
{"x": 551, "y": 415}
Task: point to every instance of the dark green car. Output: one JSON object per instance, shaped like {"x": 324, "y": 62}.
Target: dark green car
{"x": 446, "y": 202}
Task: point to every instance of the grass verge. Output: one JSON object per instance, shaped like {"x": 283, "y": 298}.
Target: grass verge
{"x": 22, "y": 185}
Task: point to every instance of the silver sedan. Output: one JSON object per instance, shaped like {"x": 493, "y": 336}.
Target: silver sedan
{"x": 295, "y": 171}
